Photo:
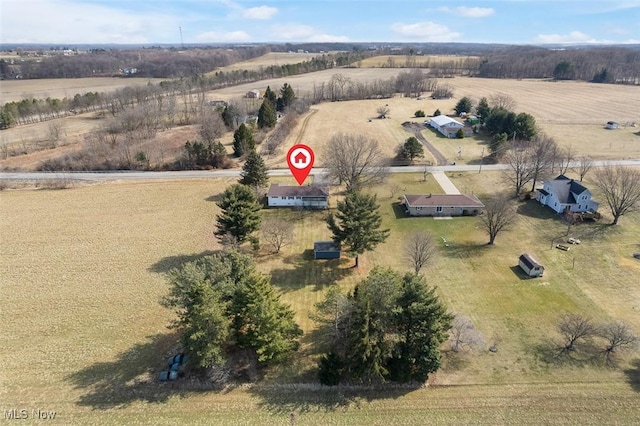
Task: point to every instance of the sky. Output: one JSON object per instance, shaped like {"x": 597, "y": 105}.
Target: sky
{"x": 151, "y": 22}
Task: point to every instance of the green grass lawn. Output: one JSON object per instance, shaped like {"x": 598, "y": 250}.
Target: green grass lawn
{"x": 83, "y": 333}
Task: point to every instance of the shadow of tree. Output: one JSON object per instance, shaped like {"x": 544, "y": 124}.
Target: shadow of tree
{"x": 132, "y": 377}
{"x": 307, "y": 271}
{"x": 553, "y": 352}
{"x": 214, "y": 198}
{"x": 165, "y": 264}
{"x": 308, "y": 398}
{"x": 633, "y": 375}
{"x": 464, "y": 249}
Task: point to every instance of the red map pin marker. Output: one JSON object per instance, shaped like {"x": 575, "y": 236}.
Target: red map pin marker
{"x": 300, "y": 160}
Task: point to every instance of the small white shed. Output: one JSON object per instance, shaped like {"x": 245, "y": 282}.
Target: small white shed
{"x": 530, "y": 266}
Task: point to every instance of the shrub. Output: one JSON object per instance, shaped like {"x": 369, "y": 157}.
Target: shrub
{"x": 420, "y": 113}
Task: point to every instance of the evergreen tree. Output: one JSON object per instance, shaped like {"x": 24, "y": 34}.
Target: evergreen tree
{"x": 483, "y": 109}
{"x": 240, "y": 215}
{"x": 271, "y": 95}
{"x": 463, "y": 105}
{"x": 422, "y": 323}
{"x": 267, "y": 114}
{"x": 254, "y": 171}
{"x": 411, "y": 149}
{"x": 525, "y": 126}
{"x": 359, "y": 224}
{"x": 262, "y": 322}
{"x": 330, "y": 369}
{"x": 243, "y": 141}
{"x": 287, "y": 96}
{"x": 229, "y": 115}
{"x": 437, "y": 112}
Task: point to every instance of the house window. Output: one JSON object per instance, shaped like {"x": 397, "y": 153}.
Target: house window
{"x": 418, "y": 208}
{"x": 291, "y": 198}
{"x": 438, "y": 209}
{"x": 284, "y": 198}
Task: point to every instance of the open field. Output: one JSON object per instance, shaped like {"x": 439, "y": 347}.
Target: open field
{"x": 574, "y": 113}
{"x": 271, "y": 58}
{"x": 398, "y": 61}
{"x": 83, "y": 330}
{"x": 16, "y": 90}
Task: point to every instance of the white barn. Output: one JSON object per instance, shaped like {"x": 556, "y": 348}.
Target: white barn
{"x": 530, "y": 266}
{"x": 447, "y": 126}
{"x": 310, "y": 196}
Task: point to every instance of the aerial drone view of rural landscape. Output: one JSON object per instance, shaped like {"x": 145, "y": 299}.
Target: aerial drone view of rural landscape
{"x": 320, "y": 213}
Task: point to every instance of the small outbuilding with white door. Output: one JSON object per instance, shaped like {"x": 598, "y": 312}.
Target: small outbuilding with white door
{"x": 530, "y": 266}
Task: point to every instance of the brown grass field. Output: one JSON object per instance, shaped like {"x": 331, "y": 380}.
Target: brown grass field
{"x": 81, "y": 275}
{"x": 16, "y": 90}
{"x": 271, "y": 58}
{"x": 407, "y": 61}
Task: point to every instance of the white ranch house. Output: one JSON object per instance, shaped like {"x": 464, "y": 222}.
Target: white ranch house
{"x": 563, "y": 194}
{"x": 448, "y": 126}
{"x": 309, "y": 196}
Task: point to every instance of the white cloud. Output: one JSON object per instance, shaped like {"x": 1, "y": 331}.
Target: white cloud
{"x": 572, "y": 37}
{"x": 468, "y": 12}
{"x": 260, "y": 13}
{"x": 427, "y": 31}
{"x": 222, "y": 37}
{"x": 304, "y": 33}
{"x": 64, "y": 21}
{"x": 475, "y": 12}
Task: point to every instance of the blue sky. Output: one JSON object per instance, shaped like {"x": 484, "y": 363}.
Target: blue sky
{"x": 238, "y": 21}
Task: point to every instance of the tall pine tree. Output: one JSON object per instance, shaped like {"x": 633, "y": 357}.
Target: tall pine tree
{"x": 358, "y": 225}
{"x": 243, "y": 142}
{"x": 287, "y": 96}
{"x": 267, "y": 114}
{"x": 254, "y": 171}
{"x": 240, "y": 215}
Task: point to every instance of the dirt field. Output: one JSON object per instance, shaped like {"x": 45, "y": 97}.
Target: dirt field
{"x": 15, "y": 90}
{"x": 397, "y": 61}
{"x": 272, "y": 58}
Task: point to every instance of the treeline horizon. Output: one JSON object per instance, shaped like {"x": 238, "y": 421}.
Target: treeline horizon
{"x": 622, "y": 63}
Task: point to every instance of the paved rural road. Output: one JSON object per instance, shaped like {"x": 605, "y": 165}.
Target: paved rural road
{"x": 194, "y": 174}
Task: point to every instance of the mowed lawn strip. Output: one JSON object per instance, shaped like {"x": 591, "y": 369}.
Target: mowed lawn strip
{"x": 83, "y": 269}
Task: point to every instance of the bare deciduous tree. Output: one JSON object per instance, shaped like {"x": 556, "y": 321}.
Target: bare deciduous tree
{"x": 502, "y": 100}
{"x": 564, "y": 157}
{"x": 522, "y": 166}
{"x": 542, "y": 150}
{"x": 277, "y": 233}
{"x": 383, "y": 111}
{"x": 464, "y": 334}
{"x": 498, "y": 216}
{"x": 619, "y": 337}
{"x": 620, "y": 187}
{"x": 573, "y": 328}
{"x": 54, "y": 129}
{"x": 355, "y": 161}
{"x": 211, "y": 125}
{"x": 585, "y": 164}
{"x": 395, "y": 188}
{"x": 419, "y": 250}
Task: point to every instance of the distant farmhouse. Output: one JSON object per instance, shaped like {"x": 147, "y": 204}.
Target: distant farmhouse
{"x": 253, "y": 94}
{"x": 563, "y": 194}
{"x": 442, "y": 205}
{"x": 310, "y": 196}
{"x": 448, "y": 127}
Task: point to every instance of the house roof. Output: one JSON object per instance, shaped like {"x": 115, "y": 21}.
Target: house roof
{"x": 443, "y": 200}
{"x": 528, "y": 260}
{"x": 565, "y": 188}
{"x": 298, "y": 191}
{"x": 442, "y": 120}
{"x": 325, "y": 246}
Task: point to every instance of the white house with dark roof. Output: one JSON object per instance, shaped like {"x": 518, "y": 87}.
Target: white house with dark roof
{"x": 562, "y": 194}
{"x": 309, "y": 196}
{"x": 448, "y": 126}
{"x": 442, "y": 205}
